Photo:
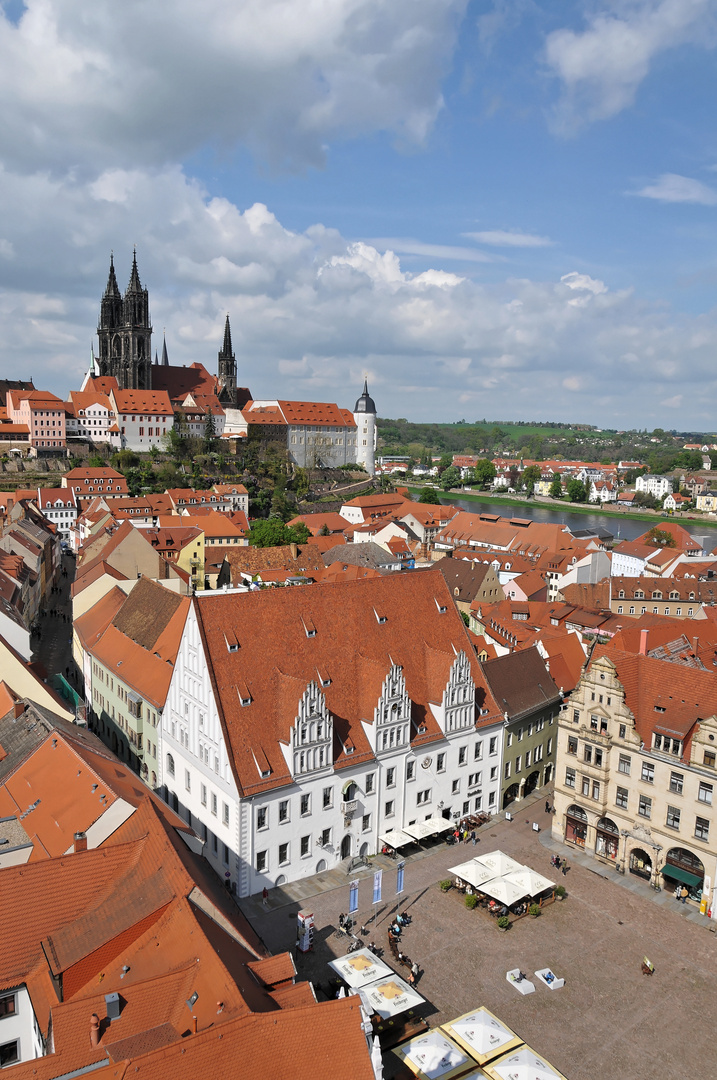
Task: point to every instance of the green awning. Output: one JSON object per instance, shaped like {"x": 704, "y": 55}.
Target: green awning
{"x": 678, "y": 874}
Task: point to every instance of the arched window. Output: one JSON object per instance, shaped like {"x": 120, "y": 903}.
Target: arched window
{"x": 606, "y": 840}
{"x": 170, "y": 765}
{"x": 576, "y": 825}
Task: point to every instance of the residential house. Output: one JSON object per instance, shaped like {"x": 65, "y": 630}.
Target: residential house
{"x": 636, "y": 774}
{"x": 43, "y": 414}
{"x": 304, "y": 724}
{"x": 522, "y": 687}
{"x": 91, "y": 417}
{"x": 469, "y": 582}
{"x": 367, "y": 555}
{"x": 129, "y": 646}
{"x": 87, "y": 482}
{"x": 144, "y": 417}
{"x": 706, "y": 501}
{"x": 59, "y": 506}
{"x": 654, "y": 485}
{"x": 681, "y": 598}
{"x": 677, "y": 502}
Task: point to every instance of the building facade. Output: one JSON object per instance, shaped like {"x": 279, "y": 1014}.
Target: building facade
{"x": 635, "y": 773}
{"x": 303, "y": 724}
{"x": 125, "y": 332}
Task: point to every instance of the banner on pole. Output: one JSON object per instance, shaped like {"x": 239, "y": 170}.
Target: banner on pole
{"x": 377, "y": 877}
{"x": 353, "y": 897}
{"x": 399, "y": 878}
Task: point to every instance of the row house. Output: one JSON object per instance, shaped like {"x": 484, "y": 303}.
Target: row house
{"x": 679, "y": 597}
{"x": 636, "y": 771}
{"x": 144, "y": 417}
{"x": 90, "y": 417}
{"x": 59, "y": 506}
{"x": 521, "y": 685}
{"x": 126, "y": 646}
{"x": 43, "y": 414}
{"x": 88, "y": 482}
{"x": 302, "y": 725}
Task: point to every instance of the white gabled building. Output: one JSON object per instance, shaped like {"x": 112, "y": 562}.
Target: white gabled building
{"x": 302, "y": 725}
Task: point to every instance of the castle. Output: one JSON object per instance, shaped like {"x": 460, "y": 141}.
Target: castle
{"x": 317, "y": 434}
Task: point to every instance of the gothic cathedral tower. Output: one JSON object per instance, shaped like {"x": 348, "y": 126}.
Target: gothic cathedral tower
{"x": 125, "y": 333}
{"x": 365, "y": 420}
{"x": 227, "y": 371}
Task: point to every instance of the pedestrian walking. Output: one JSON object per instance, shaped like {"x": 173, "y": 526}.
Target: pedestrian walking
{"x": 473, "y": 837}
{"x": 557, "y": 862}
{"x": 684, "y": 894}
{"x": 564, "y": 868}
{"x": 547, "y": 806}
{"x": 265, "y": 897}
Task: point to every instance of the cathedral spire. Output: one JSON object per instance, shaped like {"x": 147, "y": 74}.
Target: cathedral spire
{"x": 165, "y": 358}
{"x": 226, "y": 352}
{"x": 135, "y": 284}
{"x": 112, "y": 289}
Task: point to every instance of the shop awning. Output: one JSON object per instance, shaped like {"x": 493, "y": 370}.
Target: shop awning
{"x": 396, "y": 838}
{"x": 678, "y": 874}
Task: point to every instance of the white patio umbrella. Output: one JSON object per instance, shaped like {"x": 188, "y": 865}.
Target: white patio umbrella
{"x": 482, "y": 1034}
{"x": 522, "y": 1064}
{"x": 530, "y": 880}
{"x": 439, "y": 824}
{"x": 433, "y": 1056}
{"x": 500, "y": 863}
{"x": 376, "y": 1059}
{"x": 503, "y": 890}
{"x": 472, "y": 872}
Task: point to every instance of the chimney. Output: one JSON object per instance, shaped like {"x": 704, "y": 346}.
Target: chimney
{"x": 80, "y": 841}
{"x": 194, "y": 1021}
{"x": 643, "y": 642}
{"x": 294, "y": 551}
{"x": 113, "y": 1006}
{"x": 18, "y": 709}
{"x": 94, "y": 1030}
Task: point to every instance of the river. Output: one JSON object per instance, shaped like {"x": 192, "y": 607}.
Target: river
{"x": 623, "y": 527}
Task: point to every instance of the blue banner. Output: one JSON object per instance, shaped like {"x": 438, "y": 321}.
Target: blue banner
{"x": 399, "y": 878}
{"x": 353, "y": 897}
{"x": 377, "y": 877}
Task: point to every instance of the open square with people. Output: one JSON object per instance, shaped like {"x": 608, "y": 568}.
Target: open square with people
{"x": 608, "y": 1020}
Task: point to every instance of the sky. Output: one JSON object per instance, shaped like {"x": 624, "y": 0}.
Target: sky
{"x": 503, "y": 209}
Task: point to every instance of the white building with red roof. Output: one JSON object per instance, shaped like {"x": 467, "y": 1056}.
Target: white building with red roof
{"x": 144, "y": 417}
{"x": 303, "y": 726}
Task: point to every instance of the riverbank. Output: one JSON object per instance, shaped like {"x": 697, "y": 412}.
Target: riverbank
{"x": 561, "y": 505}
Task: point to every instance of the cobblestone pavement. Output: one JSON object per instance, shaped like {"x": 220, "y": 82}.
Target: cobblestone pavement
{"x": 609, "y": 1022}
{"x": 53, "y": 649}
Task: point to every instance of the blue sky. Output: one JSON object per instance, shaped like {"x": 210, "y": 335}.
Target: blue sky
{"x": 503, "y": 210}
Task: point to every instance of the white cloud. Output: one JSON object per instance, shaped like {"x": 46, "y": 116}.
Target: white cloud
{"x": 602, "y": 66}
{"x": 503, "y": 238}
{"x": 311, "y": 311}
{"x": 90, "y": 80}
{"x": 406, "y": 246}
{"x": 673, "y": 188}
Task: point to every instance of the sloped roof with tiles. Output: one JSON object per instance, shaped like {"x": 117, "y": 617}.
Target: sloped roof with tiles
{"x": 520, "y": 682}
{"x": 667, "y": 699}
{"x": 354, "y": 632}
{"x": 143, "y": 402}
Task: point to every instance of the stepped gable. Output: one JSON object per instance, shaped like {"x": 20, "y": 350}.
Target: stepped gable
{"x": 285, "y": 637}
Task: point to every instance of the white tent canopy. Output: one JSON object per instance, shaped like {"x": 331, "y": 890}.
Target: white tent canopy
{"x": 482, "y": 1034}
{"x": 389, "y": 997}
{"x": 530, "y": 880}
{"x": 433, "y": 1056}
{"x": 397, "y": 838}
{"x": 500, "y": 863}
{"x": 423, "y": 829}
{"x": 360, "y": 968}
{"x": 523, "y": 1064}
{"x": 473, "y": 872}
{"x": 440, "y": 824}
{"x": 503, "y": 890}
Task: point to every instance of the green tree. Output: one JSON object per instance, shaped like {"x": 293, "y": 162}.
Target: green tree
{"x": 274, "y": 533}
{"x": 450, "y": 478}
{"x": 430, "y": 495}
{"x": 484, "y": 472}
{"x": 446, "y": 462}
{"x": 530, "y": 477}
{"x": 659, "y": 536}
{"x": 210, "y": 434}
{"x": 576, "y": 491}
{"x": 556, "y": 488}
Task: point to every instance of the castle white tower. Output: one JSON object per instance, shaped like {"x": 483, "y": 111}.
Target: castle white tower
{"x": 365, "y": 420}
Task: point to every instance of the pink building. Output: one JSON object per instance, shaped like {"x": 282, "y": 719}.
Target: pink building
{"x": 42, "y": 413}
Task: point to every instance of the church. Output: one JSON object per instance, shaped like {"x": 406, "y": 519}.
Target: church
{"x": 316, "y": 434}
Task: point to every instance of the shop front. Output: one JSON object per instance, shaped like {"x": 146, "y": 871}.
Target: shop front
{"x": 607, "y": 838}
{"x": 576, "y": 825}
{"x": 641, "y": 864}
{"x": 682, "y": 868}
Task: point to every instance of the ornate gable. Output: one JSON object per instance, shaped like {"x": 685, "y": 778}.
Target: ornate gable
{"x": 459, "y": 696}
{"x": 392, "y": 715}
{"x": 312, "y": 735}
